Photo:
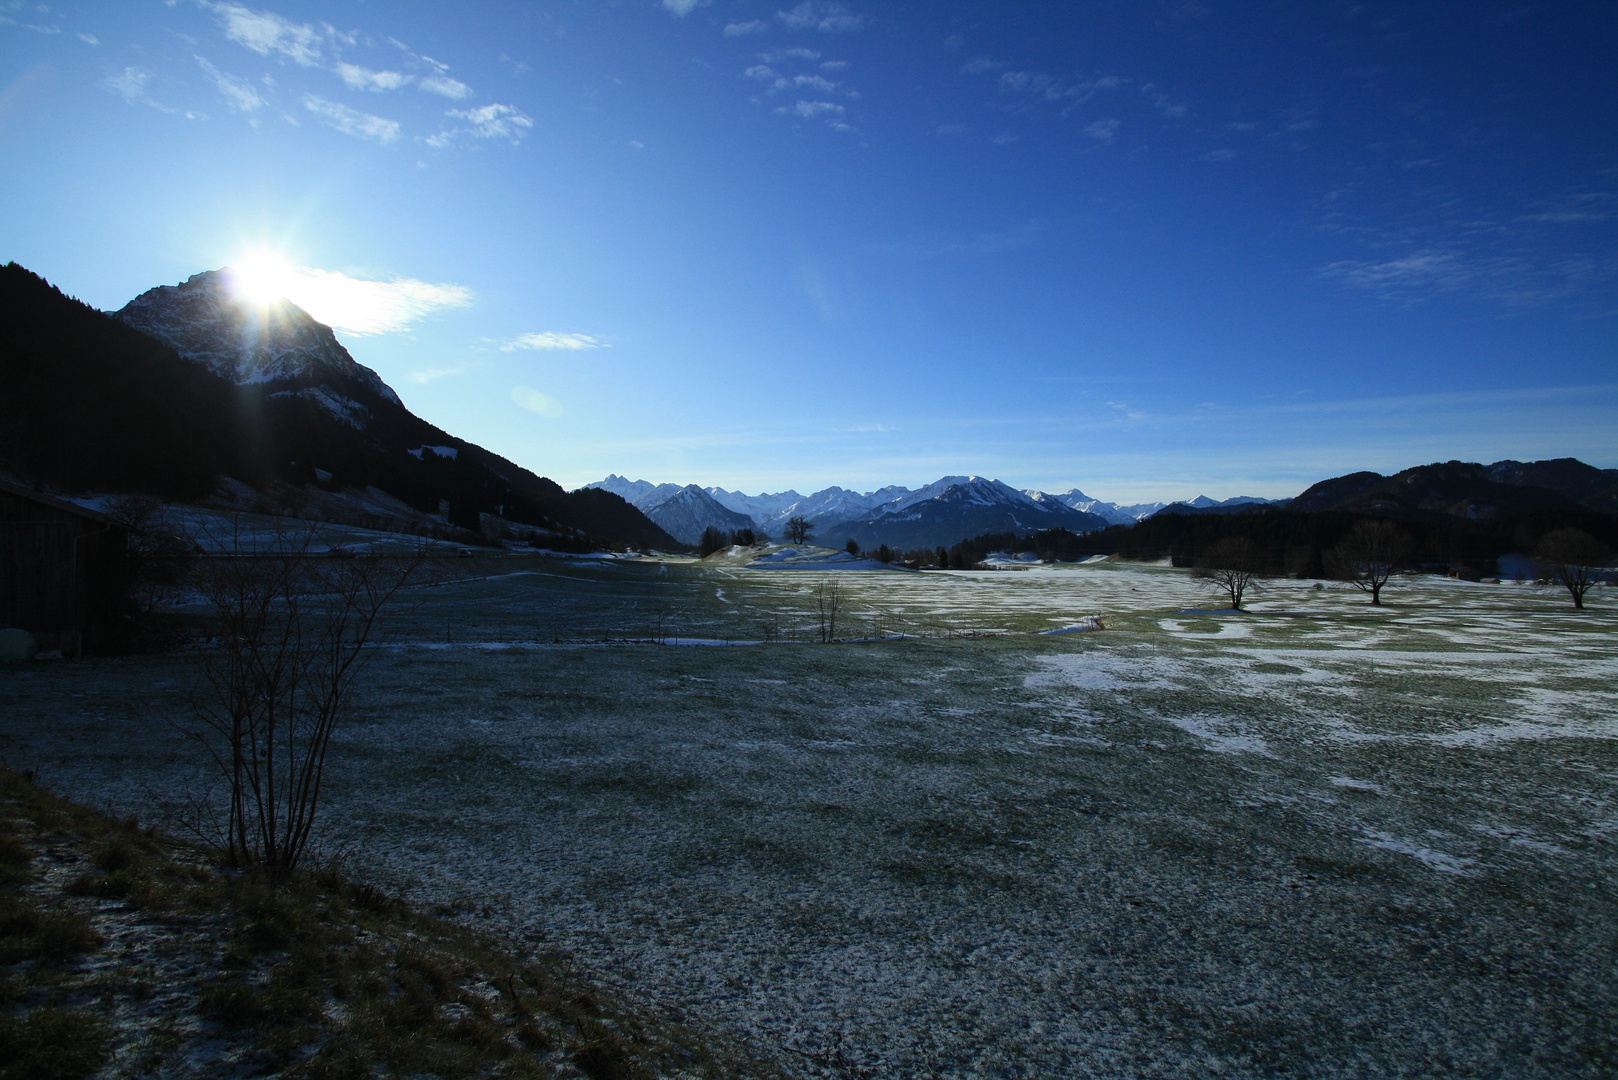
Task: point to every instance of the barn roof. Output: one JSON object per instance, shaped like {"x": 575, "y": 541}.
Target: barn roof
{"x": 54, "y": 503}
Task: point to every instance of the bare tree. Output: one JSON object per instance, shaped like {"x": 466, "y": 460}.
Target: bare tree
{"x": 1233, "y": 565}
{"x": 1368, "y": 556}
{"x": 828, "y": 602}
{"x": 292, "y": 634}
{"x": 1575, "y": 559}
{"x": 800, "y": 529}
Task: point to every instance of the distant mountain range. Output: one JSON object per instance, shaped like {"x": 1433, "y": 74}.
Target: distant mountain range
{"x": 955, "y": 508}
{"x": 188, "y": 393}
{"x": 942, "y": 513}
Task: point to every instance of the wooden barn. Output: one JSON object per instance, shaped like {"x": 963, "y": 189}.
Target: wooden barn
{"x": 63, "y": 573}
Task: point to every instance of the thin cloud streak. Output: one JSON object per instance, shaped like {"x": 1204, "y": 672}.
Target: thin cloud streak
{"x": 552, "y": 341}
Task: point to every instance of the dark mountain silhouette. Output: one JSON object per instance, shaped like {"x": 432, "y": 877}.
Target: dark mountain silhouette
{"x": 186, "y": 388}
{"x": 1455, "y": 488}
{"x": 1584, "y": 484}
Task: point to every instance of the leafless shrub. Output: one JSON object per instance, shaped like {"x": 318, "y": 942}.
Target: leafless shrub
{"x": 828, "y": 603}
{"x": 292, "y": 630}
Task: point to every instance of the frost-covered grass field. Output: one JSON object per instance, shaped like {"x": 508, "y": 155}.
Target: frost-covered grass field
{"x": 1314, "y": 839}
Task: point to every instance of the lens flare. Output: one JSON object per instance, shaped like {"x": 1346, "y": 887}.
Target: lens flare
{"x": 262, "y": 278}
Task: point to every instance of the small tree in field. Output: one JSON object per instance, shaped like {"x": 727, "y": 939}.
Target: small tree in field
{"x": 1573, "y": 558}
{"x": 1367, "y": 557}
{"x": 828, "y": 603}
{"x": 292, "y": 633}
{"x": 799, "y": 529}
{"x": 1232, "y": 565}
{"x": 852, "y": 547}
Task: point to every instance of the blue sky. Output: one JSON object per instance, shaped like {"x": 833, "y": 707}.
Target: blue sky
{"x": 1144, "y": 248}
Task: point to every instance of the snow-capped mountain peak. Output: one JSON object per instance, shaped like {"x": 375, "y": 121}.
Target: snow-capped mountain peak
{"x": 204, "y": 320}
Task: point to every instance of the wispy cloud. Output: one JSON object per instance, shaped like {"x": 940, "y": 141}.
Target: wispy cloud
{"x": 444, "y": 86}
{"x": 38, "y": 28}
{"x": 1514, "y": 279}
{"x": 775, "y": 82}
{"x": 364, "y": 307}
{"x": 239, "y": 94}
{"x": 352, "y": 121}
{"x": 746, "y": 29}
{"x": 1102, "y": 130}
{"x": 981, "y": 64}
{"x": 427, "y": 375}
{"x": 551, "y": 340}
{"x": 269, "y": 34}
{"x": 1051, "y": 88}
{"x": 812, "y": 110}
{"x": 681, "y": 8}
{"x": 1578, "y": 208}
{"x": 89, "y": 39}
{"x": 1160, "y": 101}
{"x": 536, "y": 402}
{"x": 130, "y": 84}
{"x": 484, "y": 122}
{"x": 365, "y": 79}
{"x": 821, "y": 15}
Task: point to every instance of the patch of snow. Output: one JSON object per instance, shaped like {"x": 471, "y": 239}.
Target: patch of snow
{"x": 1083, "y": 626}
{"x": 1428, "y": 857}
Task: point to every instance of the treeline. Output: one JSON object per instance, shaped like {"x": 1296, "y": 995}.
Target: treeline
{"x": 1293, "y": 543}
{"x": 716, "y": 539}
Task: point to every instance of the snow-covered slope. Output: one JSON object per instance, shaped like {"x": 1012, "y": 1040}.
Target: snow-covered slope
{"x": 203, "y": 320}
{"x": 956, "y": 508}
{"x": 763, "y": 508}
{"x": 1113, "y": 512}
{"x": 682, "y": 512}
{"x": 773, "y": 511}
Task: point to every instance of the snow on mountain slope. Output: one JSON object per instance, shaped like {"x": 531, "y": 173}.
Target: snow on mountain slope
{"x": 203, "y": 320}
{"x": 959, "y": 508}
{"x": 773, "y": 511}
{"x": 762, "y": 508}
{"x": 1113, "y": 512}
{"x": 687, "y": 512}
{"x": 682, "y": 512}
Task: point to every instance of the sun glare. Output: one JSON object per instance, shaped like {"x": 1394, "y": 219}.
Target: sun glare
{"x": 263, "y": 277}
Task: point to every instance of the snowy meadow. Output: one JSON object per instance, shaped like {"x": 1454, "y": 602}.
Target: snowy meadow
{"x": 1314, "y": 838}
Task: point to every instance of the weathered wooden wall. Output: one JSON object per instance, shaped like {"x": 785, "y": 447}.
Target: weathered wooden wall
{"x": 62, "y": 571}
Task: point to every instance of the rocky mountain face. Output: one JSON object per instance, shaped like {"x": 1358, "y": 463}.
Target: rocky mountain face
{"x": 188, "y": 388}
{"x": 277, "y": 343}
{"x": 687, "y": 512}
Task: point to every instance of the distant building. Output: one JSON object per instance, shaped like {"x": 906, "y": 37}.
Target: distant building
{"x": 63, "y": 572}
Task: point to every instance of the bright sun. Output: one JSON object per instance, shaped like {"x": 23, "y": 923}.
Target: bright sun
{"x": 262, "y": 277}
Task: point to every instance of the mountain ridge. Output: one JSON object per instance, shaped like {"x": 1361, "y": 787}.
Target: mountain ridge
{"x": 291, "y": 416}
